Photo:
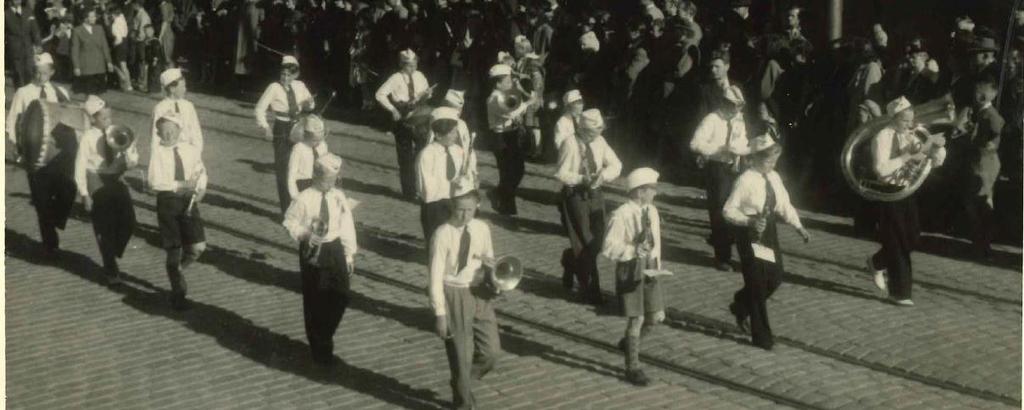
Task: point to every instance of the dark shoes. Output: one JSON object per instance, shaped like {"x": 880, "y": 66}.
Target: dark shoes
{"x": 326, "y": 360}
{"x": 637, "y": 377}
{"x": 179, "y": 303}
{"x": 741, "y": 321}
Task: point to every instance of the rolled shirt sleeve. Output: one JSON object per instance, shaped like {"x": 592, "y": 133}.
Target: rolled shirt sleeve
{"x": 881, "y": 149}
{"x": 611, "y": 165}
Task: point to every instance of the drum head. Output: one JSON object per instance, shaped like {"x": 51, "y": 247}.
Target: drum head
{"x": 32, "y": 126}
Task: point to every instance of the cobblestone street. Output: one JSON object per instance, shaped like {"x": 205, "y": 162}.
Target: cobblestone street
{"x": 72, "y": 342}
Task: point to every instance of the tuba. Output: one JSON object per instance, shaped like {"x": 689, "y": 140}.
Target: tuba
{"x": 934, "y": 122}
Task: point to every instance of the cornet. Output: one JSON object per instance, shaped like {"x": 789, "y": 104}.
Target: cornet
{"x": 192, "y": 199}
{"x": 318, "y": 228}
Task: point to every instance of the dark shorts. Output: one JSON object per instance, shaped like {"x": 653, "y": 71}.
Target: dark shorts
{"x": 637, "y": 295}
{"x": 176, "y": 228}
{"x": 120, "y": 52}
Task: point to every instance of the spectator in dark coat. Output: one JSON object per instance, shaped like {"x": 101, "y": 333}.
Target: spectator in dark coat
{"x": 21, "y": 41}
{"x": 90, "y": 56}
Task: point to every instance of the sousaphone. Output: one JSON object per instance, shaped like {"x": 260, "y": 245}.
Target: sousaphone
{"x": 934, "y": 123}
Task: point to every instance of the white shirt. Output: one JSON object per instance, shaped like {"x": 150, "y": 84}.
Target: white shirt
{"x": 570, "y": 157}
{"x": 191, "y": 131}
{"x": 624, "y": 226}
{"x": 397, "y": 88}
{"x": 712, "y": 134}
{"x": 300, "y": 164}
{"x": 89, "y": 158}
{"x": 161, "y": 166}
{"x": 500, "y": 118}
{"x": 119, "y": 29}
{"x": 444, "y": 259}
{"x": 748, "y": 197}
{"x": 565, "y": 128}
{"x": 22, "y": 98}
{"x": 465, "y": 140}
{"x": 276, "y": 98}
{"x": 305, "y": 208}
{"x": 432, "y": 170}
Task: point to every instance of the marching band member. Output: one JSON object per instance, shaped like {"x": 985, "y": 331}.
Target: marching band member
{"x": 320, "y": 219}
{"x": 304, "y": 155}
{"x": 39, "y": 88}
{"x": 898, "y": 228}
{"x": 633, "y": 241}
{"x": 286, "y": 98}
{"x": 572, "y": 107}
{"x": 107, "y": 198}
{"x": 440, "y": 168}
{"x": 466, "y": 321}
{"x": 505, "y": 121}
{"x": 757, "y": 200}
{"x": 721, "y": 138}
{"x": 456, "y": 99}
{"x": 177, "y": 174}
{"x": 585, "y": 164}
{"x": 399, "y": 95}
{"x": 173, "y": 82}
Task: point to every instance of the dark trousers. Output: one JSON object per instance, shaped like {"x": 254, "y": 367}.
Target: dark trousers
{"x": 91, "y": 84}
{"x": 898, "y": 232}
{"x": 583, "y": 216}
{"x": 282, "y": 152}
{"x": 53, "y": 195}
{"x": 720, "y": 177}
{"x": 113, "y": 221}
{"x": 324, "y": 297}
{"x": 473, "y": 344}
{"x": 407, "y": 147}
{"x": 511, "y": 161}
{"x": 22, "y": 67}
{"x": 182, "y": 235}
{"x": 433, "y": 215}
{"x": 760, "y": 280}
{"x": 980, "y": 219}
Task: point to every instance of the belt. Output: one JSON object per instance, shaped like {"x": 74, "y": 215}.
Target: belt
{"x": 457, "y": 285}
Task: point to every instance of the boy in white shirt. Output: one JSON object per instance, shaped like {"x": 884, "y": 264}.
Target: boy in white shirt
{"x": 320, "y": 219}
{"x": 440, "y": 168}
{"x": 305, "y": 154}
{"x": 177, "y": 174}
{"x": 459, "y": 251}
{"x": 285, "y": 99}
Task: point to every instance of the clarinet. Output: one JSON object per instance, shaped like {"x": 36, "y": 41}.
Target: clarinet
{"x": 192, "y": 199}
{"x": 319, "y": 228}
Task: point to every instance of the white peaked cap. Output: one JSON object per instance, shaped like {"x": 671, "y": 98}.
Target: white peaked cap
{"x": 94, "y": 104}
{"x": 172, "y": 117}
{"x": 43, "y": 59}
{"x": 169, "y": 76}
{"x": 314, "y": 125}
{"x": 640, "y": 177}
{"x": 592, "y": 120}
{"x": 289, "y": 60}
{"x": 761, "y": 143}
{"x": 499, "y": 70}
{"x": 329, "y": 163}
{"x": 455, "y": 97}
{"x": 444, "y": 113}
{"x": 407, "y": 55}
{"x": 572, "y": 96}
{"x": 897, "y": 105}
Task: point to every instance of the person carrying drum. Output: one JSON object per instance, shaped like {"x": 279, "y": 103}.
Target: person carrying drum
{"x": 39, "y": 89}
{"x": 104, "y": 154}
{"x": 400, "y": 95}
{"x": 285, "y": 99}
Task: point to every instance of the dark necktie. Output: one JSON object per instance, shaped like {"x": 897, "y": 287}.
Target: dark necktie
{"x": 645, "y": 221}
{"x": 177, "y": 109}
{"x": 325, "y": 215}
{"x": 293, "y": 105}
{"x": 43, "y": 95}
{"x": 463, "y": 249}
{"x": 769, "y": 198}
{"x": 412, "y": 89}
{"x": 584, "y": 159}
{"x": 591, "y": 162}
{"x": 179, "y": 166}
{"x": 451, "y": 170}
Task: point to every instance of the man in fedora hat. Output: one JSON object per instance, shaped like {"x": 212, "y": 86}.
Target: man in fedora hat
{"x": 633, "y": 241}
{"x": 284, "y": 100}
{"x": 99, "y": 165}
{"x": 441, "y": 169}
{"x": 721, "y": 138}
{"x": 326, "y": 254}
{"x": 399, "y": 95}
{"x": 982, "y": 58}
{"x": 178, "y": 176}
{"x": 982, "y": 166}
{"x": 173, "y": 83}
{"x": 465, "y": 321}
{"x": 309, "y": 147}
{"x": 585, "y": 163}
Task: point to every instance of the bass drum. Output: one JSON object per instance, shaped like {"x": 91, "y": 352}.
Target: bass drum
{"x": 47, "y": 129}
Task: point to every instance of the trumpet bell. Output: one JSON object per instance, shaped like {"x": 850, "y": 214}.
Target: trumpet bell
{"x": 119, "y": 137}
{"x": 507, "y": 273}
